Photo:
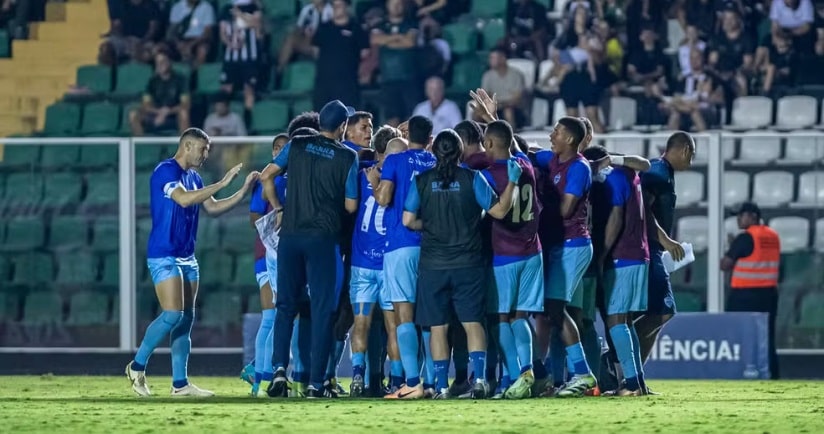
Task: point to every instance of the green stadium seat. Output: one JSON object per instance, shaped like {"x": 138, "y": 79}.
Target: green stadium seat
{"x": 132, "y": 79}
{"x": 21, "y": 155}
{"x": 238, "y": 234}
{"x": 147, "y": 156}
{"x": 60, "y": 156}
{"x": 262, "y": 153}
{"x": 185, "y": 71}
{"x": 68, "y": 232}
{"x": 32, "y": 268}
{"x": 111, "y": 270}
{"x": 24, "y": 233}
{"x": 125, "y": 126}
{"x": 76, "y": 268}
{"x": 688, "y": 301}
{"x": 88, "y": 308}
{"x": 142, "y": 188}
{"x": 208, "y": 233}
{"x": 493, "y": 32}
{"x": 5, "y": 43}
{"x": 245, "y": 270}
{"x": 105, "y": 234}
{"x": 215, "y": 268}
{"x": 221, "y": 309}
{"x": 208, "y": 78}
{"x": 62, "y": 119}
{"x": 299, "y": 77}
{"x": 144, "y": 227}
{"x": 812, "y": 311}
{"x": 8, "y": 307}
{"x": 462, "y": 37}
{"x": 280, "y": 8}
{"x": 467, "y": 74}
{"x": 5, "y": 263}
{"x": 302, "y": 105}
{"x": 488, "y": 8}
{"x": 98, "y": 156}
{"x": 100, "y": 119}
{"x": 799, "y": 270}
{"x": 253, "y": 303}
{"x": 101, "y": 189}
{"x": 23, "y": 189}
{"x": 62, "y": 188}
{"x": 96, "y": 78}
{"x": 42, "y": 308}
{"x": 269, "y": 117}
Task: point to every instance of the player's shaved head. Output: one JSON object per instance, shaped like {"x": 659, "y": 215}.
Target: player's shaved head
{"x": 382, "y": 137}
{"x": 680, "y": 150}
{"x": 193, "y": 134}
{"x": 499, "y": 134}
{"x": 396, "y": 145}
{"x": 193, "y": 148}
{"x": 680, "y": 140}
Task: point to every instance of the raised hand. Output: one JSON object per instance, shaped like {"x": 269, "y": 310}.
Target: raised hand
{"x": 513, "y": 170}
{"x": 230, "y": 174}
{"x": 488, "y": 106}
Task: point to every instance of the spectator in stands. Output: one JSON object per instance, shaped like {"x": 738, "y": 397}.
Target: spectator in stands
{"x": 647, "y": 67}
{"x": 435, "y": 54}
{"x": 341, "y": 43}
{"x": 795, "y": 17}
{"x": 697, "y": 100}
{"x": 242, "y": 36}
{"x": 592, "y": 7}
{"x": 778, "y": 73}
{"x": 300, "y": 40}
{"x": 135, "y": 28}
{"x": 396, "y": 41}
{"x": 222, "y": 121}
{"x": 442, "y": 112}
{"x": 165, "y": 102}
{"x": 191, "y": 24}
{"x": 731, "y": 57}
{"x": 809, "y": 67}
{"x": 507, "y": 84}
{"x": 754, "y": 259}
{"x": 701, "y": 14}
{"x": 692, "y": 41}
{"x": 644, "y": 14}
{"x": 527, "y": 26}
{"x": 430, "y": 14}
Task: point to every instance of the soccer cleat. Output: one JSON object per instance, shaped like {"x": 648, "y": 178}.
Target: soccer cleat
{"x": 298, "y": 389}
{"x": 480, "y": 390}
{"x": 650, "y": 392}
{"x": 461, "y": 390}
{"x": 392, "y": 393}
{"x": 623, "y": 391}
{"x": 429, "y": 392}
{"x": 339, "y": 388}
{"x": 138, "y": 379}
{"x": 328, "y": 391}
{"x": 191, "y": 390}
{"x": 248, "y": 373}
{"x": 406, "y": 392}
{"x": 356, "y": 387}
{"x": 577, "y": 386}
{"x": 279, "y": 387}
{"x": 498, "y": 394}
{"x": 540, "y": 387}
{"x": 255, "y": 390}
{"x": 443, "y": 394}
{"x": 522, "y": 387}
{"x": 550, "y": 392}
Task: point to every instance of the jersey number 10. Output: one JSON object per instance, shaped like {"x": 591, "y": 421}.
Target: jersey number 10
{"x": 368, "y": 217}
{"x": 522, "y": 208}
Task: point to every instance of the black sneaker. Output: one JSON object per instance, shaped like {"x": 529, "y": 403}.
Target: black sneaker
{"x": 327, "y": 391}
{"x": 279, "y": 387}
{"x": 480, "y": 390}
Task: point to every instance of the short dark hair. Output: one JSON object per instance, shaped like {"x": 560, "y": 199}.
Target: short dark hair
{"x": 383, "y": 136}
{"x": 521, "y": 143}
{"x": 193, "y": 134}
{"x": 575, "y": 127}
{"x": 304, "y": 120}
{"x": 358, "y": 116}
{"x": 500, "y": 50}
{"x": 420, "y": 130}
{"x": 501, "y": 132}
{"x": 470, "y": 132}
{"x": 680, "y": 139}
{"x": 304, "y": 131}
{"x": 281, "y": 136}
{"x": 595, "y": 152}
{"x": 587, "y": 124}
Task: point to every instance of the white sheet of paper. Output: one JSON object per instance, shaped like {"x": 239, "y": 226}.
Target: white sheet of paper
{"x": 266, "y": 229}
{"x": 671, "y": 265}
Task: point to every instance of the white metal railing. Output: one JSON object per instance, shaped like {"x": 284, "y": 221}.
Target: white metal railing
{"x": 709, "y": 143}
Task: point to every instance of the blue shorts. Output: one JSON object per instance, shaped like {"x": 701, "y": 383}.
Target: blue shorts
{"x": 565, "y": 270}
{"x": 168, "y": 267}
{"x": 520, "y": 285}
{"x": 366, "y": 286}
{"x": 660, "y": 300}
{"x": 400, "y": 268}
{"x": 266, "y": 271}
{"x": 585, "y": 299}
{"x": 625, "y": 289}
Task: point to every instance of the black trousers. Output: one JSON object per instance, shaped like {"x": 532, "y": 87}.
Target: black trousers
{"x": 758, "y": 300}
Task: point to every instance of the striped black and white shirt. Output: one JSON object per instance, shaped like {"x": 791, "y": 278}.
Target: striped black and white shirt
{"x": 244, "y": 42}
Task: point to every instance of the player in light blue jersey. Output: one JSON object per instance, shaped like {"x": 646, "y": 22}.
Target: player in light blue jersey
{"x": 366, "y": 282}
{"x": 177, "y": 192}
{"x": 400, "y": 261}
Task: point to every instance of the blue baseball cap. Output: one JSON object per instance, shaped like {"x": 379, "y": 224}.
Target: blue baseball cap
{"x": 333, "y": 114}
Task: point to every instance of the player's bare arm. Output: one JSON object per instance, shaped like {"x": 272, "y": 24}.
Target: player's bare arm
{"x": 186, "y": 198}
{"x": 384, "y": 193}
{"x": 270, "y": 172}
{"x": 217, "y": 207}
{"x": 568, "y": 203}
{"x": 411, "y": 221}
{"x": 670, "y": 245}
{"x": 615, "y": 223}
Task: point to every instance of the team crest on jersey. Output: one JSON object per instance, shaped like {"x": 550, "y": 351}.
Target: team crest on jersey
{"x": 557, "y": 178}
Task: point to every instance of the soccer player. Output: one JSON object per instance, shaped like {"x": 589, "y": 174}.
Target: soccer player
{"x": 322, "y": 185}
{"x": 569, "y": 245}
{"x": 517, "y": 263}
{"x": 619, "y": 226}
{"x": 359, "y": 137}
{"x": 402, "y": 253}
{"x": 266, "y": 275}
{"x": 447, "y": 204}
{"x": 658, "y": 185}
{"x": 177, "y": 192}
{"x": 366, "y": 284}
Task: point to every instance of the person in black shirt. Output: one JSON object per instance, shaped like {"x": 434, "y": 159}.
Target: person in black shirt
{"x": 340, "y": 44}
{"x": 809, "y": 66}
{"x": 323, "y": 187}
{"x": 135, "y": 27}
{"x": 446, "y": 203}
{"x": 527, "y": 26}
{"x": 779, "y": 70}
{"x": 165, "y": 102}
{"x": 731, "y": 57}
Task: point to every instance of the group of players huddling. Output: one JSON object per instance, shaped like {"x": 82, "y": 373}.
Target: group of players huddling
{"x": 456, "y": 242}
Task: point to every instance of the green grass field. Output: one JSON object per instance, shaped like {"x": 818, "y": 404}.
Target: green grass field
{"x": 107, "y": 405}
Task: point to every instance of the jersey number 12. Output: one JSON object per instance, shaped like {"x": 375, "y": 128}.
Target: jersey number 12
{"x": 523, "y": 195}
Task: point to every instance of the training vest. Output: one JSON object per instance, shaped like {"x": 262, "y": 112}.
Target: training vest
{"x": 760, "y": 269}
